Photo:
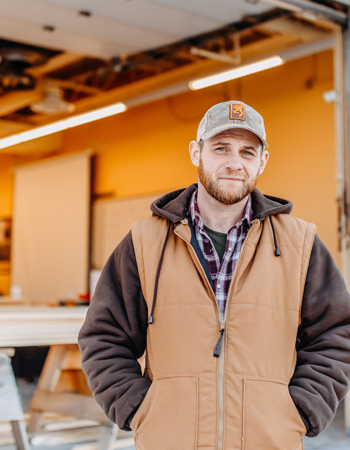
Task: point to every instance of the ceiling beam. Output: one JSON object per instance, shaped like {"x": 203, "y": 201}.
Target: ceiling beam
{"x": 140, "y": 87}
{"x": 55, "y": 63}
{"x": 67, "y": 84}
{"x": 301, "y": 29}
{"x": 275, "y": 44}
{"x": 18, "y": 100}
{"x": 14, "y": 101}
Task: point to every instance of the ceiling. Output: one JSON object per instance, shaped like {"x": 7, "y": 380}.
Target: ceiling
{"x": 81, "y": 54}
{"x": 116, "y": 27}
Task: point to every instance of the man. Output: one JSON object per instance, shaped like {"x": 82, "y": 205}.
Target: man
{"x": 244, "y": 315}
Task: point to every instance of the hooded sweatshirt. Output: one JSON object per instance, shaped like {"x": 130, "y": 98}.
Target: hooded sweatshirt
{"x": 114, "y": 334}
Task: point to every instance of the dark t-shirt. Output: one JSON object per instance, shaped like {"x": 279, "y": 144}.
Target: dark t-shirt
{"x": 218, "y": 240}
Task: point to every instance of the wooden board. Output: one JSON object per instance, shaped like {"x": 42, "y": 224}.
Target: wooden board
{"x": 112, "y": 220}
{"x": 28, "y": 326}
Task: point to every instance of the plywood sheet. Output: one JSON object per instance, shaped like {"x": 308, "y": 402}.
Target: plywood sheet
{"x": 112, "y": 220}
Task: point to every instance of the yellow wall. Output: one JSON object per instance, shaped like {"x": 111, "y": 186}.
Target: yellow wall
{"x": 145, "y": 150}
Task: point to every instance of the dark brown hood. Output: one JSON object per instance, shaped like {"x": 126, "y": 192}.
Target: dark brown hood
{"x": 173, "y": 206}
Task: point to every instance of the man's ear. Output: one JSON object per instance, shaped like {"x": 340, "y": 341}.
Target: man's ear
{"x": 194, "y": 152}
{"x": 264, "y": 158}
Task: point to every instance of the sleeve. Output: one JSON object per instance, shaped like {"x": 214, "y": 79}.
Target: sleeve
{"x": 321, "y": 377}
{"x": 113, "y": 337}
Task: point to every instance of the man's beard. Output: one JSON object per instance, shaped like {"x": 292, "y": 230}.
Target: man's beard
{"x": 225, "y": 196}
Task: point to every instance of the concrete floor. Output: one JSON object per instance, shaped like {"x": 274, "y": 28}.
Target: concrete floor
{"x": 333, "y": 438}
{"x": 69, "y": 439}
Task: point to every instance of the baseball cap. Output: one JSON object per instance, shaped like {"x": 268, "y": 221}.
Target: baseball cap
{"x": 232, "y": 114}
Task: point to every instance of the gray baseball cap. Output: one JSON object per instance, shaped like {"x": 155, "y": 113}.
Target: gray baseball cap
{"x": 232, "y": 114}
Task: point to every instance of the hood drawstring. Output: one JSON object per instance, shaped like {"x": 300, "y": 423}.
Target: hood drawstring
{"x": 150, "y": 319}
{"x": 277, "y": 250}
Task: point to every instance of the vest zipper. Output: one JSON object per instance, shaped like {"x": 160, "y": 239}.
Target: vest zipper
{"x": 221, "y": 390}
{"x": 219, "y": 342}
{"x": 221, "y": 363}
{"x": 220, "y": 345}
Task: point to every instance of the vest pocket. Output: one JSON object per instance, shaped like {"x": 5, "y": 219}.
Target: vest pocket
{"x": 167, "y": 418}
{"x": 271, "y": 420}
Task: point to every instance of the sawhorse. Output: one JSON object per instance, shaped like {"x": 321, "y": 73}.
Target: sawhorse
{"x": 81, "y": 406}
{"x": 10, "y": 404}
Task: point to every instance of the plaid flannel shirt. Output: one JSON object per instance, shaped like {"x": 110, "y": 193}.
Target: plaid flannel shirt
{"x": 221, "y": 273}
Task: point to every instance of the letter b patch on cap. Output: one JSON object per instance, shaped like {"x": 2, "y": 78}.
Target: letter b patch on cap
{"x": 237, "y": 111}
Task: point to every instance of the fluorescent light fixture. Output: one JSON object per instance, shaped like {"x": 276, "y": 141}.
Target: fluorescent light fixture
{"x": 238, "y": 72}
{"x": 63, "y": 124}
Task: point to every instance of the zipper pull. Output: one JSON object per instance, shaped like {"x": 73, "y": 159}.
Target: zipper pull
{"x": 218, "y": 344}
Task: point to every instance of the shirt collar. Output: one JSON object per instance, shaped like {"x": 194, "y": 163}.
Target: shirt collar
{"x": 194, "y": 212}
{"x": 196, "y": 218}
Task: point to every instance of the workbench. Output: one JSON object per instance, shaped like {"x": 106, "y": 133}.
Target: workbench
{"x": 57, "y": 327}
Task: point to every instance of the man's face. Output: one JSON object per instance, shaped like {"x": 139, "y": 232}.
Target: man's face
{"x": 229, "y": 164}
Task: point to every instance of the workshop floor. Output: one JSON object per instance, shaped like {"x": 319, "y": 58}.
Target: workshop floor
{"x": 334, "y": 438}
{"x": 60, "y": 433}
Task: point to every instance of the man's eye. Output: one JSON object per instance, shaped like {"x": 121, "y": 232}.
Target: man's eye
{"x": 221, "y": 149}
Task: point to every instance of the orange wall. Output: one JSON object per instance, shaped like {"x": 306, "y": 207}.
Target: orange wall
{"x": 7, "y": 163}
{"x": 145, "y": 150}
{"x": 300, "y": 127}
{"x": 6, "y": 180}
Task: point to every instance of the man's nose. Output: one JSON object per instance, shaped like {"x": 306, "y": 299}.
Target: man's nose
{"x": 234, "y": 162}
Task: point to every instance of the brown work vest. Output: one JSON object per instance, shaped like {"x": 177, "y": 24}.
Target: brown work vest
{"x": 241, "y": 399}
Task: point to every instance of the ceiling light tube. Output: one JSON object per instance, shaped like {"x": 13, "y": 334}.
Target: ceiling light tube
{"x": 238, "y": 72}
{"x": 61, "y": 125}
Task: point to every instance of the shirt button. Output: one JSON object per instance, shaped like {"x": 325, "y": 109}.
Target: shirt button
{"x": 219, "y": 286}
{"x": 230, "y": 249}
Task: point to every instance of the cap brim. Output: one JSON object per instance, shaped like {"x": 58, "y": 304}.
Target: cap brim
{"x": 217, "y": 130}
